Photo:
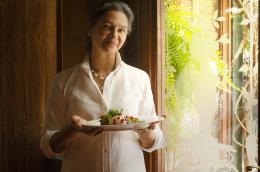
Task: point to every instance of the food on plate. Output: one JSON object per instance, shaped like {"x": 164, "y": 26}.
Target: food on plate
{"x": 114, "y": 116}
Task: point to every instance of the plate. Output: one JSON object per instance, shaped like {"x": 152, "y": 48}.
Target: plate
{"x": 119, "y": 127}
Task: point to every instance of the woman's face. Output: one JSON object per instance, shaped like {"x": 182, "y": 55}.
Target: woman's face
{"x": 109, "y": 33}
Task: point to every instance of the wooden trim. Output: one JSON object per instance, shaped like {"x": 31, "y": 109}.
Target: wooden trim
{"x": 158, "y": 61}
{"x": 226, "y": 27}
{"x": 59, "y": 35}
{"x": 146, "y": 61}
{"x": 160, "y": 75}
{"x": 258, "y": 83}
{"x": 152, "y": 61}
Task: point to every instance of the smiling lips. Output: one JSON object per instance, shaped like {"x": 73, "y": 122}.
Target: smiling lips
{"x": 111, "y": 43}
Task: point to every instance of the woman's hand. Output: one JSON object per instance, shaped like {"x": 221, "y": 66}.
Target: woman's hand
{"x": 77, "y": 124}
{"x": 63, "y": 138}
{"x": 147, "y": 135}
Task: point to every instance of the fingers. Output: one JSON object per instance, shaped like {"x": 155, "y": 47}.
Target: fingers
{"x": 98, "y": 131}
{"x": 153, "y": 125}
{"x": 140, "y": 131}
{"x": 78, "y": 125}
{"x": 92, "y": 131}
{"x": 144, "y": 132}
{"x": 148, "y": 129}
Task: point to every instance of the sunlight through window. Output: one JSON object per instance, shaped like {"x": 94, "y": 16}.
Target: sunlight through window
{"x": 211, "y": 85}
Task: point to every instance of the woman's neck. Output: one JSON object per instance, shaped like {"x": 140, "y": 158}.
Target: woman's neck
{"x": 102, "y": 63}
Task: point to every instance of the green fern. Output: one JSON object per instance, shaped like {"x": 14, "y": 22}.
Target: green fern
{"x": 178, "y": 39}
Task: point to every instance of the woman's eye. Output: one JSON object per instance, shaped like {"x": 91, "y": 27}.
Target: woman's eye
{"x": 107, "y": 27}
{"x": 121, "y": 30}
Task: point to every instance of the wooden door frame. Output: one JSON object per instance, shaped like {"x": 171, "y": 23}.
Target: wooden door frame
{"x": 226, "y": 28}
{"x": 154, "y": 64}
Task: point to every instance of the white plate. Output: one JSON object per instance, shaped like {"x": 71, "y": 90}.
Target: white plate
{"x": 118, "y": 127}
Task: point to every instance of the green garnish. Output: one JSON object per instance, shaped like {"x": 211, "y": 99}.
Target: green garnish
{"x": 114, "y": 116}
{"x": 106, "y": 119}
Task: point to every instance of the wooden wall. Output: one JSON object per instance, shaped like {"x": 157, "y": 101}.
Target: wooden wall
{"x": 27, "y": 64}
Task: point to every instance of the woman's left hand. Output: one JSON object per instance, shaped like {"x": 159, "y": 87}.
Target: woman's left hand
{"x": 147, "y": 135}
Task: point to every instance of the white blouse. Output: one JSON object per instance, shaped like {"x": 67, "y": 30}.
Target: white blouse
{"x": 74, "y": 92}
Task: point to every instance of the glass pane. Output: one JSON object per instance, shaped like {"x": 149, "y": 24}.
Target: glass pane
{"x": 211, "y": 85}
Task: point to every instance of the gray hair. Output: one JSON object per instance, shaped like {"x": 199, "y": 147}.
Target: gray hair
{"x": 114, "y": 6}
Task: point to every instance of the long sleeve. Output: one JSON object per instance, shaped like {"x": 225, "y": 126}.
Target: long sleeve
{"x": 148, "y": 109}
{"x": 54, "y": 119}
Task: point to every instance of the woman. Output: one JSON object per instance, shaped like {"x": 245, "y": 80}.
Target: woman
{"x": 102, "y": 82}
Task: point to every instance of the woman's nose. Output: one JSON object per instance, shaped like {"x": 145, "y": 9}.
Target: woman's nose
{"x": 114, "y": 33}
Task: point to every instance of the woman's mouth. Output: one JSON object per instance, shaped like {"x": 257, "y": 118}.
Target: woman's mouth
{"x": 111, "y": 43}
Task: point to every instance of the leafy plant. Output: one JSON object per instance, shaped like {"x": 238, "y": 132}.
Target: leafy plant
{"x": 178, "y": 57}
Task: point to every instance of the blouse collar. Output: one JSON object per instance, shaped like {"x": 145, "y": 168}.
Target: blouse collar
{"x": 86, "y": 65}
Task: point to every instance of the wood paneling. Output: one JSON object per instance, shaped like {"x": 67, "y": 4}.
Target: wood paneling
{"x": 27, "y": 64}
{"x": 73, "y": 32}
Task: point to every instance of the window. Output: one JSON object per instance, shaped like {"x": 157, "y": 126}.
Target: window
{"x": 211, "y": 85}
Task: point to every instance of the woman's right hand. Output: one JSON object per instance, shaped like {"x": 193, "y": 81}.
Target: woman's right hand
{"x": 63, "y": 138}
{"x": 77, "y": 124}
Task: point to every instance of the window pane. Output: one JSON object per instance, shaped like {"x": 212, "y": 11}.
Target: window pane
{"x": 211, "y": 85}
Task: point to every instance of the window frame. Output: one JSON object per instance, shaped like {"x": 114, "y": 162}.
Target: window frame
{"x": 154, "y": 64}
{"x": 226, "y": 49}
